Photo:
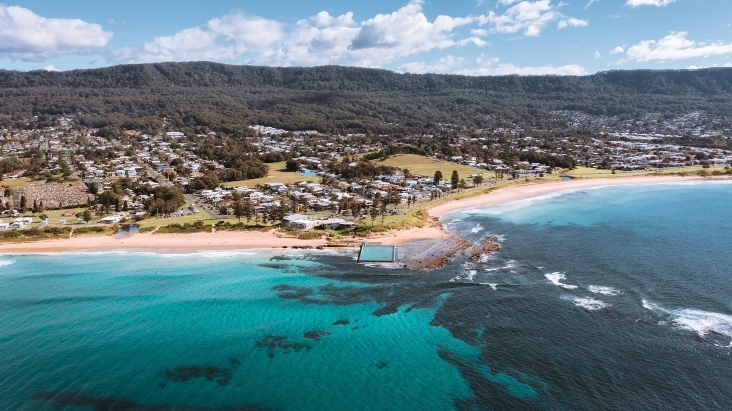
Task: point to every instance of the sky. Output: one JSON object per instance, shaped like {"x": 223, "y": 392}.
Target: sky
{"x": 471, "y": 37}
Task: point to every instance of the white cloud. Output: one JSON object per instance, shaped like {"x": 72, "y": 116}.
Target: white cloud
{"x": 617, "y": 50}
{"x": 675, "y": 46}
{"x": 657, "y": 3}
{"x": 572, "y": 22}
{"x": 326, "y": 39}
{"x": 491, "y": 67}
{"x": 221, "y": 39}
{"x": 590, "y": 3}
{"x": 446, "y": 64}
{"x": 50, "y": 68}
{"x": 120, "y": 23}
{"x": 530, "y": 17}
{"x": 319, "y": 40}
{"x": 27, "y": 36}
{"x": 703, "y": 67}
{"x": 597, "y": 54}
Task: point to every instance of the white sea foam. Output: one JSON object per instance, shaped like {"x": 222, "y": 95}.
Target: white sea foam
{"x": 556, "y": 279}
{"x": 494, "y": 286}
{"x": 471, "y": 275}
{"x": 391, "y": 266}
{"x": 509, "y": 265}
{"x": 698, "y": 321}
{"x": 478, "y": 228}
{"x": 181, "y": 254}
{"x": 5, "y": 263}
{"x": 597, "y": 289}
{"x": 589, "y": 303}
{"x": 484, "y": 258}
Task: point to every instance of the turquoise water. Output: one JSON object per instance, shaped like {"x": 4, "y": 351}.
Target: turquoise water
{"x": 377, "y": 253}
{"x": 613, "y": 298}
{"x": 109, "y": 325}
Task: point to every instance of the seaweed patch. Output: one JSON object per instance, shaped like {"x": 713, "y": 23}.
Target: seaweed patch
{"x": 182, "y": 373}
{"x": 273, "y": 343}
{"x": 316, "y": 334}
{"x": 78, "y": 399}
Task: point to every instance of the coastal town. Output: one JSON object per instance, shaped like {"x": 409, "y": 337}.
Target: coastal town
{"x": 305, "y": 180}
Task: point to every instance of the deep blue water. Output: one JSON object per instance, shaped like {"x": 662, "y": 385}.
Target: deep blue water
{"x": 613, "y": 298}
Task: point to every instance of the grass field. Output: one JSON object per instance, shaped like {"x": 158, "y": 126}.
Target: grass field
{"x": 416, "y": 164}
{"x": 277, "y": 174}
{"x": 585, "y": 172}
{"x": 20, "y": 182}
{"x": 426, "y": 166}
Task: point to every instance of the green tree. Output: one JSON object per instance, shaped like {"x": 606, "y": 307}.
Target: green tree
{"x": 455, "y": 179}
{"x": 23, "y": 204}
{"x": 438, "y": 177}
{"x": 292, "y": 165}
{"x": 248, "y": 210}
{"x": 239, "y": 210}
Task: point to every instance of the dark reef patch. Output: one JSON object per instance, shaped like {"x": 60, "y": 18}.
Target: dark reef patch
{"x": 488, "y": 394}
{"x": 342, "y": 321}
{"x": 273, "y": 343}
{"x": 329, "y": 294}
{"x": 283, "y": 267}
{"x": 77, "y": 399}
{"x": 183, "y": 373}
{"x": 381, "y": 365}
{"x": 316, "y": 334}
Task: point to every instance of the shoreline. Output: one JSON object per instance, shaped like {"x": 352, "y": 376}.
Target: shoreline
{"x": 233, "y": 240}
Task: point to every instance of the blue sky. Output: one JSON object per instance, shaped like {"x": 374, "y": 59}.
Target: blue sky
{"x": 473, "y": 37}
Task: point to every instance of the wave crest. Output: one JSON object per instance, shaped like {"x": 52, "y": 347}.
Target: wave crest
{"x": 589, "y": 303}
{"x": 556, "y": 279}
{"x": 701, "y": 322}
{"x": 597, "y": 289}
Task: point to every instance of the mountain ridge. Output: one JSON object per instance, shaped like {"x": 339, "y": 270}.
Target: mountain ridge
{"x": 351, "y": 99}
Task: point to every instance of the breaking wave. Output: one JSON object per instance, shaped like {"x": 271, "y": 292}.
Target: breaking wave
{"x": 589, "y": 303}
{"x": 5, "y": 263}
{"x": 556, "y": 279}
{"x": 703, "y": 323}
{"x": 597, "y": 289}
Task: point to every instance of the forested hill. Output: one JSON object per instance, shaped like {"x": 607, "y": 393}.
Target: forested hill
{"x": 209, "y": 96}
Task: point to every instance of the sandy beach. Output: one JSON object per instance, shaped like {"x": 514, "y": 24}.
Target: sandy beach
{"x": 231, "y": 240}
{"x": 520, "y": 192}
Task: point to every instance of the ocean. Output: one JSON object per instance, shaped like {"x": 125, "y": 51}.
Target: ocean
{"x": 607, "y": 298}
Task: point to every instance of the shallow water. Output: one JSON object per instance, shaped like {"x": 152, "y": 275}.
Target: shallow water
{"x": 614, "y": 298}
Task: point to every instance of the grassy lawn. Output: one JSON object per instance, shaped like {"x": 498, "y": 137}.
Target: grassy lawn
{"x": 54, "y": 216}
{"x": 160, "y": 222}
{"x": 585, "y": 172}
{"x": 277, "y": 174}
{"x": 416, "y": 164}
{"x": 20, "y": 182}
{"x": 426, "y": 166}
